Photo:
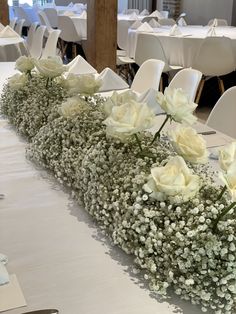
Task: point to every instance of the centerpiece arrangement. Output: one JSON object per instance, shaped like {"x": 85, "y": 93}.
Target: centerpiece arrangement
{"x": 154, "y": 196}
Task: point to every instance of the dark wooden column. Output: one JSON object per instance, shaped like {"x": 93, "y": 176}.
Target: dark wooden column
{"x": 100, "y": 48}
{"x": 4, "y": 13}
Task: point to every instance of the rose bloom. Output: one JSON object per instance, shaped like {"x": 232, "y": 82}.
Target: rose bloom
{"x": 190, "y": 145}
{"x": 227, "y": 156}
{"x": 51, "y": 67}
{"x": 71, "y": 84}
{"x": 88, "y": 84}
{"x": 174, "y": 182}
{"x": 24, "y": 64}
{"x": 129, "y": 118}
{"x": 175, "y": 102}
{"x": 17, "y": 81}
{"x": 229, "y": 179}
{"x": 72, "y": 107}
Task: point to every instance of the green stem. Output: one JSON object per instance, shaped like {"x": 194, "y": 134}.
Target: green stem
{"x": 138, "y": 142}
{"x": 30, "y": 75}
{"x": 224, "y": 212}
{"x": 159, "y": 131}
{"x": 222, "y": 193}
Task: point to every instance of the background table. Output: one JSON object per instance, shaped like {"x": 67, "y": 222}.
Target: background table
{"x": 12, "y": 48}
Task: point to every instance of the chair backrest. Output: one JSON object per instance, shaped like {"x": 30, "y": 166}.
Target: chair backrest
{"x": 37, "y": 44}
{"x": 188, "y": 80}
{"x": 31, "y": 33}
{"x": 20, "y": 13}
{"x": 148, "y": 76}
{"x": 12, "y": 23}
{"x": 211, "y": 63}
{"x": 19, "y": 26}
{"x": 51, "y": 14}
{"x": 149, "y": 47}
{"x": 167, "y": 22}
{"x": 222, "y": 116}
{"x": 122, "y": 33}
{"x": 68, "y": 30}
{"x": 44, "y": 21}
{"x": 50, "y": 49}
{"x": 220, "y": 22}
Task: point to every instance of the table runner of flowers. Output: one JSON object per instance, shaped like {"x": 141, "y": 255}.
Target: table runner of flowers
{"x": 155, "y": 196}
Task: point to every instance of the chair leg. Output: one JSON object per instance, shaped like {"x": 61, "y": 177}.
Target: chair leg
{"x": 221, "y": 85}
{"x": 74, "y": 51}
{"x": 161, "y": 85}
{"x": 199, "y": 92}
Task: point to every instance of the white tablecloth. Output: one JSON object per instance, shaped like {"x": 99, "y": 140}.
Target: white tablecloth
{"x": 11, "y": 49}
{"x": 80, "y": 25}
{"x": 180, "y": 50}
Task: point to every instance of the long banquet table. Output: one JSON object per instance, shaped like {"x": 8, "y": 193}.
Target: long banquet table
{"x": 56, "y": 250}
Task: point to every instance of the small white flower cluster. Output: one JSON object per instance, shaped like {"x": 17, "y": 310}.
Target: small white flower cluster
{"x": 164, "y": 220}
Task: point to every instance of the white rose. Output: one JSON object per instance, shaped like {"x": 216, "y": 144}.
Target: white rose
{"x": 128, "y": 119}
{"x": 227, "y": 156}
{"x": 51, "y": 67}
{"x": 17, "y": 81}
{"x": 175, "y": 102}
{"x": 118, "y": 99}
{"x": 190, "y": 145}
{"x": 24, "y": 64}
{"x": 88, "y": 84}
{"x": 174, "y": 182}
{"x": 73, "y": 107}
{"x": 229, "y": 179}
{"x": 71, "y": 84}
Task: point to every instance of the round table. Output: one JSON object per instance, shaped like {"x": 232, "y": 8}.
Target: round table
{"x": 12, "y": 48}
{"x": 180, "y": 50}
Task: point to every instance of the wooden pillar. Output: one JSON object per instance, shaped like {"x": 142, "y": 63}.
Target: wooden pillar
{"x": 4, "y": 13}
{"x": 100, "y": 47}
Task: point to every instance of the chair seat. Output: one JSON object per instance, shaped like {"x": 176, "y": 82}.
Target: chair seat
{"x": 120, "y": 53}
{"x": 124, "y": 60}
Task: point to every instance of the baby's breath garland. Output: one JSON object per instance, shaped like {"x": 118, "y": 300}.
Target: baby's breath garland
{"x": 181, "y": 232}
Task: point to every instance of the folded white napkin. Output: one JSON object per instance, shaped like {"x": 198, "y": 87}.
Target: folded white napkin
{"x": 145, "y": 27}
{"x": 175, "y": 31}
{"x": 154, "y": 24}
{"x": 1, "y": 27}
{"x": 150, "y": 98}
{"x": 214, "y": 23}
{"x": 8, "y": 32}
{"x": 144, "y": 12}
{"x": 70, "y": 5}
{"x": 211, "y": 32}
{"x": 136, "y": 24}
{"x": 83, "y": 15}
{"x": 182, "y": 22}
{"x": 133, "y": 16}
{"x": 80, "y": 66}
{"x": 156, "y": 14}
{"x": 25, "y": 5}
{"x": 69, "y": 13}
{"x": 111, "y": 81}
{"x": 4, "y": 277}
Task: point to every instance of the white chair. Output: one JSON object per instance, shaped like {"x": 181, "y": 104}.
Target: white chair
{"x": 167, "y": 22}
{"x": 222, "y": 116}
{"x": 165, "y": 14}
{"x": 21, "y": 14}
{"x": 68, "y": 34}
{"x": 44, "y": 21}
{"x": 31, "y": 32}
{"x": 37, "y": 44}
{"x": 19, "y": 26}
{"x": 188, "y": 80}
{"x": 52, "y": 16}
{"x": 148, "y": 76}
{"x": 220, "y": 22}
{"x": 12, "y": 23}
{"x": 215, "y": 57}
{"x": 50, "y": 49}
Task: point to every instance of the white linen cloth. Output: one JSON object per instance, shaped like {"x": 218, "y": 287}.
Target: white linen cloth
{"x": 154, "y": 24}
{"x": 12, "y": 48}
{"x": 175, "y": 31}
{"x": 133, "y": 16}
{"x": 8, "y": 32}
{"x": 145, "y": 27}
{"x": 70, "y": 5}
{"x": 69, "y": 13}
{"x": 4, "y": 276}
{"x": 212, "y": 31}
{"x": 144, "y": 12}
{"x": 150, "y": 98}
{"x": 156, "y": 14}
{"x": 1, "y": 27}
{"x": 182, "y": 22}
{"x": 83, "y": 15}
{"x": 80, "y": 25}
{"x": 80, "y": 66}
{"x": 136, "y": 24}
{"x": 111, "y": 81}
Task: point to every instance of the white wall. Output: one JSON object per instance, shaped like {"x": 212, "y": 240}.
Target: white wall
{"x": 201, "y": 11}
